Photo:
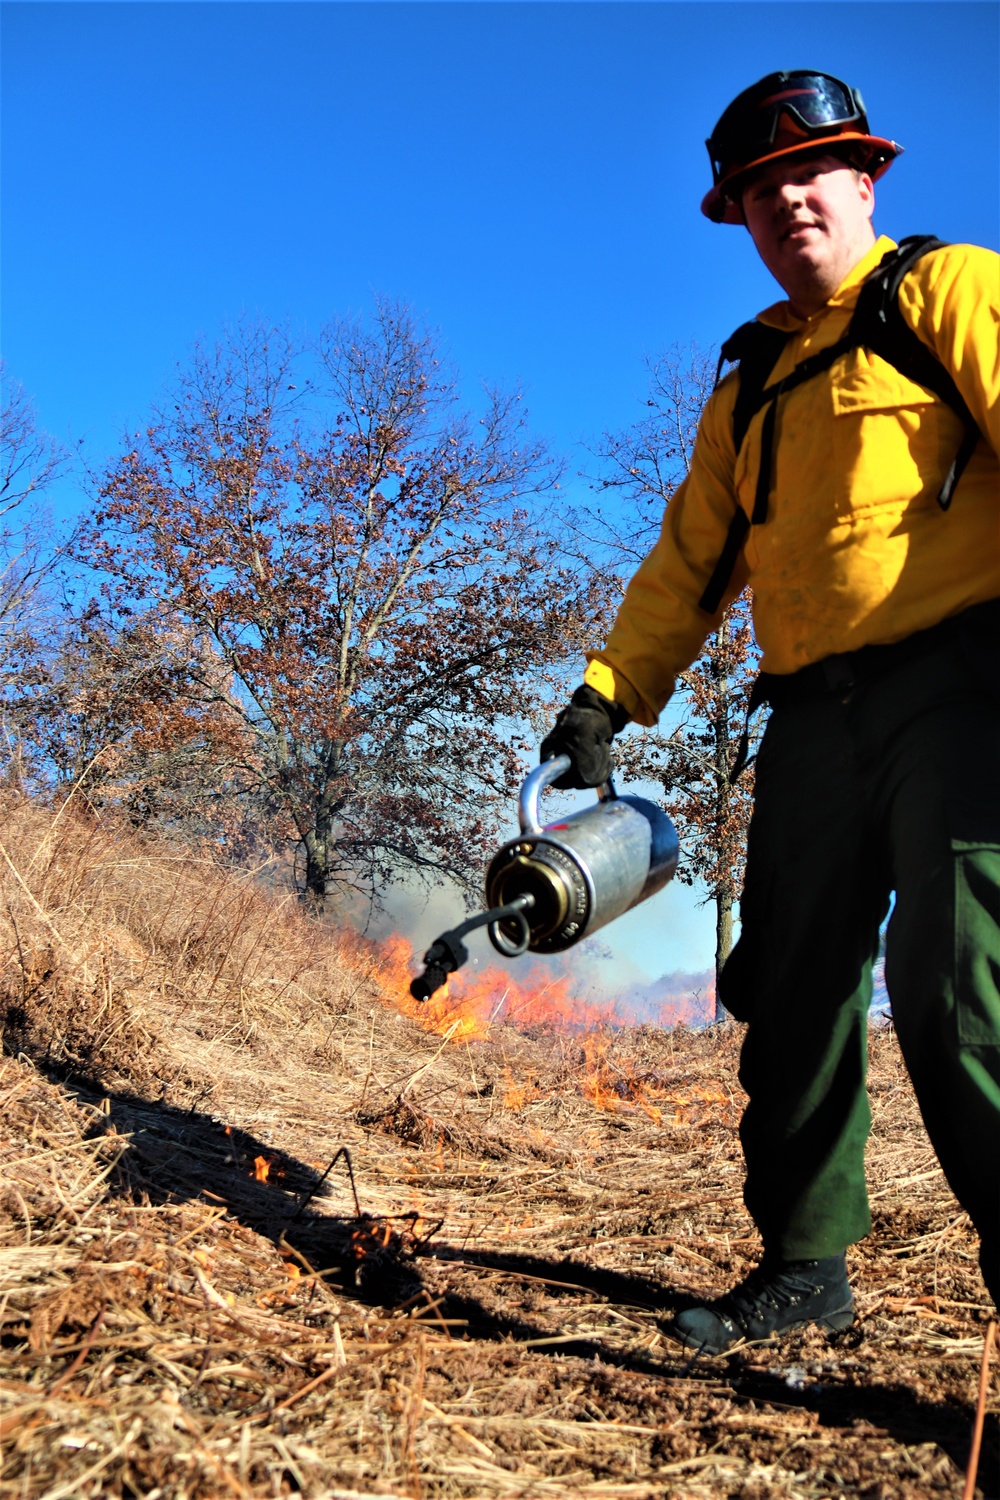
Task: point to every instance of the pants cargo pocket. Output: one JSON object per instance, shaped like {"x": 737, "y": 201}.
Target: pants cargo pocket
{"x": 747, "y": 973}
{"x": 977, "y": 943}
{"x": 737, "y": 982}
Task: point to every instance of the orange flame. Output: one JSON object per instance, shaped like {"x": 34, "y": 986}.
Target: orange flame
{"x": 517, "y": 1095}
{"x": 261, "y": 1167}
{"x": 614, "y": 1085}
{"x": 465, "y": 1009}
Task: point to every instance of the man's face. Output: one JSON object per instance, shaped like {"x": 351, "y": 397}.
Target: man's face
{"x": 810, "y": 219}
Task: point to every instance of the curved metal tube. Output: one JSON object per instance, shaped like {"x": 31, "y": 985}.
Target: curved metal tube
{"x": 529, "y": 797}
{"x": 533, "y": 785}
{"x": 448, "y": 953}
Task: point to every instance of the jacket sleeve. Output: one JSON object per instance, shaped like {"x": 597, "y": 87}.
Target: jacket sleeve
{"x": 951, "y": 300}
{"x": 660, "y": 629}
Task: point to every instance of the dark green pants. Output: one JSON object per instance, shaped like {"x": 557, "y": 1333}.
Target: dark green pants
{"x": 893, "y": 786}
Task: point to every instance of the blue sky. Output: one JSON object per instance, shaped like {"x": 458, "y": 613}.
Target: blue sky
{"x": 526, "y": 175}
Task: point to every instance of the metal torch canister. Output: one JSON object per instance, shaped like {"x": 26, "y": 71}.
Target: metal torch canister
{"x": 581, "y": 871}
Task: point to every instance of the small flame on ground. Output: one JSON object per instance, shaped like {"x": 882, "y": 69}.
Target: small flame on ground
{"x": 615, "y": 1085}
{"x": 369, "y": 1236}
{"x": 517, "y": 1094}
{"x": 261, "y": 1168}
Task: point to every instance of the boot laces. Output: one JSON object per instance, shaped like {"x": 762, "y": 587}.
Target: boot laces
{"x": 770, "y": 1289}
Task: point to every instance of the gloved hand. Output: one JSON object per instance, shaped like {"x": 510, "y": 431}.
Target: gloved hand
{"x": 584, "y": 731}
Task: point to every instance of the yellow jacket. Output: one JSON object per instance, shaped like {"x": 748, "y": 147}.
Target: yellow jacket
{"x": 855, "y": 549}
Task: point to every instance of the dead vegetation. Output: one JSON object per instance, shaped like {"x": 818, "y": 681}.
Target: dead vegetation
{"x": 195, "y": 1303}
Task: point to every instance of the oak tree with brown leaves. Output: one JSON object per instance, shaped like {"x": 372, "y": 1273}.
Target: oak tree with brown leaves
{"x": 108, "y": 709}
{"x": 373, "y": 569}
{"x": 692, "y": 756}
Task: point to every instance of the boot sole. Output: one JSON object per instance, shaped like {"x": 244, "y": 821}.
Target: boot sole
{"x": 838, "y": 1320}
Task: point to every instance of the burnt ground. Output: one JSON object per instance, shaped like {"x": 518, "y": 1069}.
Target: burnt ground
{"x": 190, "y": 1307}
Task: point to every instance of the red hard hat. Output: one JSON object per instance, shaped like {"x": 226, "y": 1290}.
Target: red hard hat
{"x": 786, "y": 114}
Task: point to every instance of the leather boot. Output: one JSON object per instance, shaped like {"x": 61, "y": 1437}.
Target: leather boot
{"x": 776, "y": 1297}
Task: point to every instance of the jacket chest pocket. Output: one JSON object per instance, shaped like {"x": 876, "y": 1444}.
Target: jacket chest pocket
{"x": 865, "y": 383}
{"x": 893, "y": 440}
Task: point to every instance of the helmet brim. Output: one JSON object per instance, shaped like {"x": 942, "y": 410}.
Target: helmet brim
{"x": 721, "y": 202}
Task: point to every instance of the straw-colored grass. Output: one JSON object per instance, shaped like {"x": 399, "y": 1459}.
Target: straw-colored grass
{"x": 190, "y": 1308}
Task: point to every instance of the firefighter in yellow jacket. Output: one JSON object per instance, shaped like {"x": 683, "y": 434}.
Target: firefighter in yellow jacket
{"x": 847, "y": 470}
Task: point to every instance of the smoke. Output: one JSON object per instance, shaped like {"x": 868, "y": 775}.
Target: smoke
{"x": 678, "y": 998}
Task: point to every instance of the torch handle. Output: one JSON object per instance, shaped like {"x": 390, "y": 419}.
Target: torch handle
{"x": 534, "y": 784}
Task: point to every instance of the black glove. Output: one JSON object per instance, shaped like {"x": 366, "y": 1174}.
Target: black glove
{"x": 584, "y": 731}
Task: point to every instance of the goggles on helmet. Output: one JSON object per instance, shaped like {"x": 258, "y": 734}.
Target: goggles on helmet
{"x": 785, "y": 113}
{"x": 818, "y": 104}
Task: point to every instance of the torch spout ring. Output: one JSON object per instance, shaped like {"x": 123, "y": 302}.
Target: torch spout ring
{"x": 499, "y": 939}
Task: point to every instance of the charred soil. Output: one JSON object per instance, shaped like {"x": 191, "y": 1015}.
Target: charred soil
{"x": 263, "y": 1233}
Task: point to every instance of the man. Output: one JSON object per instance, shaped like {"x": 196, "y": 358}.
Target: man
{"x": 863, "y": 508}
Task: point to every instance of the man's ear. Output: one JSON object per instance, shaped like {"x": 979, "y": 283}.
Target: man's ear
{"x": 866, "y": 192}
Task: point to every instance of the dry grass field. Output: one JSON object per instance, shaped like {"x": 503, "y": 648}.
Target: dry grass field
{"x": 472, "y": 1299}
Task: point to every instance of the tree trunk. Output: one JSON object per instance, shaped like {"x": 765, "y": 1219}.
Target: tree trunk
{"x": 317, "y": 873}
{"x": 723, "y": 946}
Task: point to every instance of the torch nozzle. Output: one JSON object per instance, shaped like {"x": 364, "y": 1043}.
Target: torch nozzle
{"x": 433, "y": 977}
{"x": 448, "y": 953}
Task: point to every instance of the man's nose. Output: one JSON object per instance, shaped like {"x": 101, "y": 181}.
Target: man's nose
{"x": 789, "y": 195}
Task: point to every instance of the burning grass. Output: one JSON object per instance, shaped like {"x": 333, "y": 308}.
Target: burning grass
{"x": 260, "y": 1233}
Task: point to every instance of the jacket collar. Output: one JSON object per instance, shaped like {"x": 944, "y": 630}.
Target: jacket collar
{"x": 780, "y": 314}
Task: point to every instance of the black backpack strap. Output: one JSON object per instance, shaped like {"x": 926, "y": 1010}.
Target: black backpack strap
{"x": 814, "y": 365}
{"x": 878, "y": 324}
{"x": 755, "y": 348}
{"x": 723, "y": 570}
{"x": 758, "y": 353}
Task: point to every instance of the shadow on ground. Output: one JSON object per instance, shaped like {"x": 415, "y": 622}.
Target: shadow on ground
{"x": 184, "y": 1155}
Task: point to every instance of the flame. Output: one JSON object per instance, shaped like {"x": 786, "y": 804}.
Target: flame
{"x": 261, "y": 1167}
{"x": 465, "y": 1008}
{"x": 293, "y": 1270}
{"x": 368, "y": 1235}
{"x": 517, "y": 1094}
{"x": 701, "y": 1104}
{"x": 614, "y": 1085}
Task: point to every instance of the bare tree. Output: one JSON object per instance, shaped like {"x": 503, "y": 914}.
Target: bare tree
{"x": 30, "y": 462}
{"x": 376, "y": 580}
{"x": 692, "y": 760}
{"x": 30, "y": 549}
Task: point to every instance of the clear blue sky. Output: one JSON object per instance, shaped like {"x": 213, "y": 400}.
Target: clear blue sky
{"x": 526, "y": 175}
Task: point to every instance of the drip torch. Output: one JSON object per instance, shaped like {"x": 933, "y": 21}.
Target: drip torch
{"x": 553, "y": 885}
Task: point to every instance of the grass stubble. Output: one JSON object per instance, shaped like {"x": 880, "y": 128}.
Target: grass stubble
{"x": 471, "y": 1300}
